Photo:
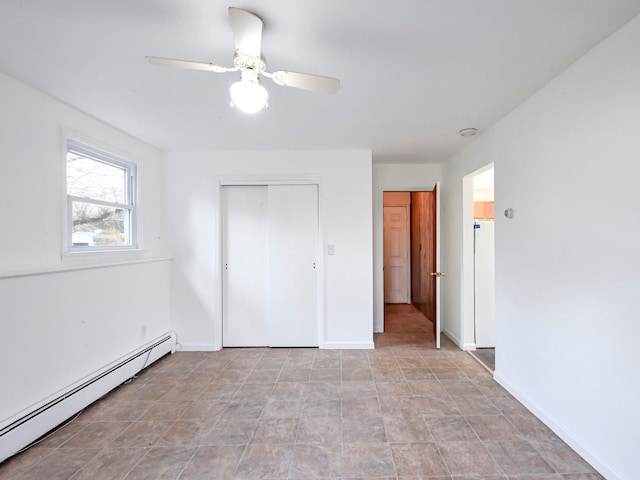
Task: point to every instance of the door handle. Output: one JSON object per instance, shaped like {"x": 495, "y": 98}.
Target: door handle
{"x": 438, "y": 274}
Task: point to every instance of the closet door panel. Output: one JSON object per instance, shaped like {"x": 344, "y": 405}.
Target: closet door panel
{"x": 293, "y": 271}
{"x": 245, "y": 238}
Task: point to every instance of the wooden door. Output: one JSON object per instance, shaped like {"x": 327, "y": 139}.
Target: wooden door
{"x": 425, "y": 256}
{"x": 438, "y": 273}
{"x": 245, "y": 237}
{"x": 430, "y": 280}
{"x": 293, "y": 266}
{"x": 396, "y": 240}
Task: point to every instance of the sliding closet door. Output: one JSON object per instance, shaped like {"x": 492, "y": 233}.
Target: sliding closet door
{"x": 293, "y": 268}
{"x": 244, "y": 262}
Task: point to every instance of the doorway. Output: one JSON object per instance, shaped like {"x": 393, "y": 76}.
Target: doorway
{"x": 410, "y": 251}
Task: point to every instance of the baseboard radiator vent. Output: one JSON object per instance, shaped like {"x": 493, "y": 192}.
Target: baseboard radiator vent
{"x": 27, "y": 426}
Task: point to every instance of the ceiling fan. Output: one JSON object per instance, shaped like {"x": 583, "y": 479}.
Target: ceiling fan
{"x": 247, "y": 94}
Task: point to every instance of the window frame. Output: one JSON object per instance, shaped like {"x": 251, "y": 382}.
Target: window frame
{"x": 104, "y": 156}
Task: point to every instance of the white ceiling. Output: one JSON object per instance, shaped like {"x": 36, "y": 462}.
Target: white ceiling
{"x": 413, "y": 72}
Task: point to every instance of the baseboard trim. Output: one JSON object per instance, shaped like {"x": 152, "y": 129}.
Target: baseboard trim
{"x": 195, "y": 347}
{"x": 348, "y": 346}
{"x": 603, "y": 467}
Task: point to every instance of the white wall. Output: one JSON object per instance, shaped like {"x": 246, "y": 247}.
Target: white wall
{"x": 345, "y": 221}
{"x": 389, "y": 177}
{"x": 568, "y": 264}
{"x": 59, "y": 324}
{"x": 59, "y": 327}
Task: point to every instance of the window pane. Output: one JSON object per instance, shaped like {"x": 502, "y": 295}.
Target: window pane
{"x": 96, "y": 225}
{"x": 90, "y": 178}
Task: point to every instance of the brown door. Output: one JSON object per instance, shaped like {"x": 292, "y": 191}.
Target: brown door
{"x": 423, "y": 258}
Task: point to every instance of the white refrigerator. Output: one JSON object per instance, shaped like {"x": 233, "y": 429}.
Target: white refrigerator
{"x": 484, "y": 281}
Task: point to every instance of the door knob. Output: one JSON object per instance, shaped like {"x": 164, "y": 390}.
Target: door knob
{"x": 438, "y": 274}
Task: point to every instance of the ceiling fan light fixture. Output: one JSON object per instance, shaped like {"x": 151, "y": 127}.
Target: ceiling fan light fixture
{"x": 248, "y": 96}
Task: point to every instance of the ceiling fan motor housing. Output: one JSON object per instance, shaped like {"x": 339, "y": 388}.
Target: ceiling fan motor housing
{"x": 243, "y": 62}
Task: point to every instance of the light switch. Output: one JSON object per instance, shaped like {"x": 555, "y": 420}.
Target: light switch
{"x": 331, "y": 249}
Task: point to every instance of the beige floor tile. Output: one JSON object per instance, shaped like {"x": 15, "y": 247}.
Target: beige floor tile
{"x": 244, "y": 409}
{"x": 367, "y": 460}
{"x": 475, "y": 405}
{"x": 320, "y": 430}
{"x": 264, "y": 461}
{"x": 407, "y": 430}
{"x": 232, "y": 431}
{"x": 360, "y": 407}
{"x": 213, "y": 463}
{"x": 363, "y": 430}
{"x": 450, "y": 429}
{"x": 395, "y": 389}
{"x": 62, "y": 435}
{"x": 111, "y": 463}
{"x": 162, "y": 463}
{"x": 276, "y": 430}
{"x": 361, "y": 374}
{"x": 97, "y": 435}
{"x": 324, "y": 390}
{"x": 493, "y": 428}
{"x": 165, "y": 411}
{"x": 531, "y": 428}
{"x": 183, "y": 433}
{"x": 518, "y": 457}
{"x": 561, "y": 457}
{"x": 418, "y": 459}
{"x": 61, "y": 464}
{"x": 289, "y": 391}
{"x": 468, "y": 458}
{"x": 207, "y": 411}
{"x": 322, "y": 408}
{"x": 14, "y": 466}
{"x": 315, "y": 461}
{"x": 283, "y": 409}
{"x": 140, "y": 434}
{"x": 358, "y": 389}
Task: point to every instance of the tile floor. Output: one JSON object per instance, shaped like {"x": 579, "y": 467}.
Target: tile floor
{"x": 402, "y": 411}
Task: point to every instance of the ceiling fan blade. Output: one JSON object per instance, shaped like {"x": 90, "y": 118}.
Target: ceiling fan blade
{"x": 306, "y": 81}
{"x": 188, "y": 65}
{"x": 247, "y": 31}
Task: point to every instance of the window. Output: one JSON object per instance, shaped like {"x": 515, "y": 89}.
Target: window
{"x": 100, "y": 200}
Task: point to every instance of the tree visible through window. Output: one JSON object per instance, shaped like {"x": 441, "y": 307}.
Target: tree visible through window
{"x": 100, "y": 199}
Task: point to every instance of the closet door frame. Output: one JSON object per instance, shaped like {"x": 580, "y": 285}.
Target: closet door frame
{"x": 259, "y": 180}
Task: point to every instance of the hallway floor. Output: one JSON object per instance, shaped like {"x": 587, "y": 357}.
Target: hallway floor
{"x": 402, "y": 411}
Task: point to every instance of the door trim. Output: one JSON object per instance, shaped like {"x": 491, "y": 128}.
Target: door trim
{"x": 378, "y": 253}
{"x": 217, "y": 261}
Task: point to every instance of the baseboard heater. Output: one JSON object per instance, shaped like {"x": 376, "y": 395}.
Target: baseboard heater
{"x": 30, "y": 424}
